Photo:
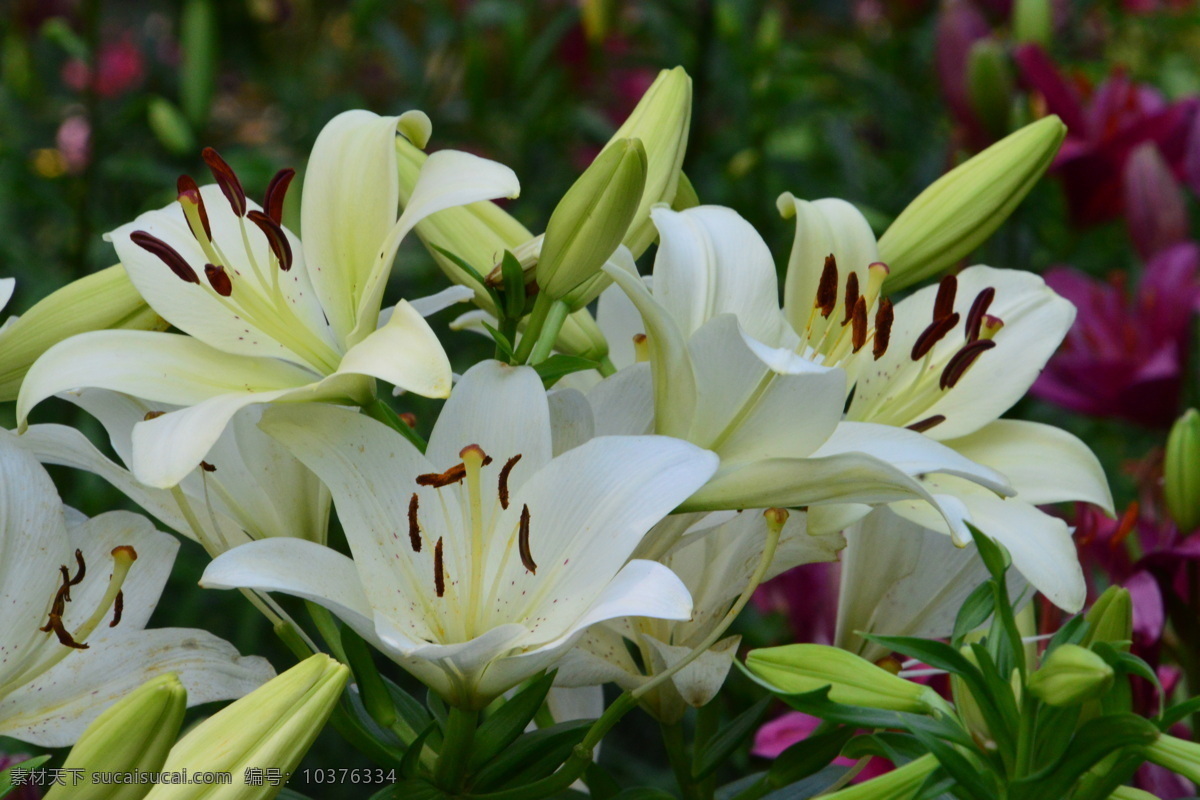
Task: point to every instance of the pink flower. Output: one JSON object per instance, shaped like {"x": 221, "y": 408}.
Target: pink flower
{"x": 782, "y": 732}
{"x": 808, "y": 596}
{"x": 1124, "y": 356}
{"x": 73, "y": 140}
{"x": 1102, "y": 134}
{"x": 119, "y": 68}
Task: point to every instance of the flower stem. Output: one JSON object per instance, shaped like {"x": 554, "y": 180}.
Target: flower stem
{"x": 607, "y": 367}
{"x": 681, "y": 762}
{"x": 381, "y": 411}
{"x": 451, "y": 767}
{"x": 549, "y": 335}
{"x": 533, "y": 329}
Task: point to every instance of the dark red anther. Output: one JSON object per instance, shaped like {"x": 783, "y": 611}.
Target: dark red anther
{"x": 190, "y": 192}
{"x": 932, "y": 335}
{"x": 439, "y": 580}
{"x": 276, "y": 190}
{"x": 225, "y": 177}
{"x": 118, "y": 608}
{"x": 207, "y": 467}
{"x": 439, "y": 479}
{"x": 167, "y": 254}
{"x": 978, "y": 311}
{"x": 409, "y": 419}
{"x": 883, "y": 328}
{"x": 523, "y": 541}
{"x": 414, "y": 527}
{"x": 80, "y": 570}
{"x": 962, "y": 360}
{"x": 944, "y": 303}
{"x": 925, "y": 424}
{"x": 851, "y": 296}
{"x": 64, "y": 636}
{"x": 219, "y": 280}
{"x": 504, "y": 473}
{"x": 275, "y": 237}
{"x": 827, "y": 288}
{"x": 152, "y": 415}
{"x": 858, "y": 335}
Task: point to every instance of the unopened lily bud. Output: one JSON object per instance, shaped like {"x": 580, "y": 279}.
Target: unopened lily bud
{"x": 1181, "y": 472}
{"x": 101, "y": 301}
{"x": 661, "y": 121}
{"x": 592, "y": 218}
{"x": 1110, "y": 618}
{"x": 800, "y": 668}
{"x": 990, "y": 84}
{"x": 270, "y": 728}
{"x": 1071, "y": 675}
{"x": 900, "y": 782}
{"x": 1032, "y": 21}
{"x": 1179, "y": 756}
{"x": 960, "y": 210}
{"x": 1155, "y": 205}
{"x": 133, "y": 735}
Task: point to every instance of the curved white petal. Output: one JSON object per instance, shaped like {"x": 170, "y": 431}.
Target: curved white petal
{"x": 56, "y": 707}
{"x": 571, "y": 420}
{"x": 502, "y": 409}
{"x": 619, "y": 321}
{"x": 698, "y": 682}
{"x": 623, "y": 403}
{"x": 673, "y": 379}
{"x": 405, "y": 352}
{"x": 1043, "y": 463}
{"x": 439, "y": 301}
{"x": 710, "y": 261}
{"x": 823, "y": 227}
{"x": 7, "y": 285}
{"x": 448, "y": 178}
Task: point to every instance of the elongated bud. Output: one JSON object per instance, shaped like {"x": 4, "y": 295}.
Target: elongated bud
{"x": 661, "y": 120}
{"x": 1032, "y": 21}
{"x": 1181, "y": 472}
{"x": 270, "y": 728}
{"x": 900, "y": 782}
{"x": 799, "y": 668}
{"x": 101, "y": 301}
{"x": 592, "y": 218}
{"x": 1179, "y": 756}
{"x": 960, "y": 210}
{"x": 133, "y": 735}
{"x": 1110, "y": 619}
{"x": 1071, "y": 675}
{"x": 990, "y": 85}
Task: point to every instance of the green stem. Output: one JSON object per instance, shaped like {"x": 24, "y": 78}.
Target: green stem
{"x": 549, "y": 335}
{"x": 533, "y": 329}
{"x": 681, "y": 762}
{"x": 1026, "y": 729}
{"x": 451, "y": 769}
{"x": 606, "y": 367}
{"x": 327, "y": 627}
{"x": 381, "y": 411}
{"x": 708, "y": 719}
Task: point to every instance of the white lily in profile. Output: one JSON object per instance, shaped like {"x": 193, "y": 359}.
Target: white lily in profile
{"x": 479, "y": 563}
{"x": 959, "y": 355}
{"x": 249, "y": 486}
{"x": 725, "y": 373}
{"x": 75, "y": 596}
{"x": 267, "y": 320}
{"x": 715, "y": 558}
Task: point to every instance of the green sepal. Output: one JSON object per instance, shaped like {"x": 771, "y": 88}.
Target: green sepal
{"x": 716, "y": 751}
{"x": 502, "y": 728}
{"x": 532, "y": 756}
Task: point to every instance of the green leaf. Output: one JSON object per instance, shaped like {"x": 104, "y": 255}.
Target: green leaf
{"x": 500, "y": 729}
{"x": 811, "y": 786}
{"x": 503, "y": 343}
{"x": 600, "y": 783}
{"x": 532, "y": 756}
{"x": 375, "y": 697}
{"x": 928, "y": 651}
{"x": 899, "y": 748}
{"x": 514, "y": 286}
{"x": 808, "y": 756}
{"x": 994, "y": 558}
{"x": 1093, "y": 741}
{"x": 558, "y": 365}
{"x": 975, "y": 611}
{"x": 818, "y": 704}
{"x": 1178, "y": 713}
{"x": 716, "y": 751}
{"x": 643, "y": 793}
{"x": 473, "y": 273}
{"x": 411, "y": 763}
{"x": 1072, "y": 632}
{"x": 416, "y": 789}
{"x": 6, "y": 779}
{"x": 936, "y": 786}
{"x": 437, "y": 707}
{"x": 965, "y": 772}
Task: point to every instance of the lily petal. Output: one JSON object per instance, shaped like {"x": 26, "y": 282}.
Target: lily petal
{"x": 623, "y": 403}
{"x": 405, "y": 352}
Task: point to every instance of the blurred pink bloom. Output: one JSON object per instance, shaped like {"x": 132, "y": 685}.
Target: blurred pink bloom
{"x": 119, "y": 68}
{"x": 1118, "y": 117}
{"x": 808, "y": 596}
{"x": 1155, "y": 208}
{"x": 960, "y": 25}
{"x": 1124, "y": 356}
{"x": 782, "y": 732}
{"x": 1153, "y": 6}
{"x": 73, "y": 140}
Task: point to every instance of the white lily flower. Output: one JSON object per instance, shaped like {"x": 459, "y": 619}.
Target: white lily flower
{"x": 727, "y": 374}
{"x": 479, "y": 563}
{"x": 75, "y": 596}
{"x": 958, "y": 356}
{"x": 715, "y": 557}
{"x": 249, "y": 487}
{"x": 269, "y": 320}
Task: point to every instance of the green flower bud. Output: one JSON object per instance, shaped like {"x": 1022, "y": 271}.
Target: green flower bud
{"x": 1110, "y": 618}
{"x": 900, "y": 782}
{"x": 965, "y": 206}
{"x": 1032, "y": 21}
{"x": 661, "y": 121}
{"x": 592, "y": 218}
{"x": 1181, "y": 472}
{"x": 965, "y": 702}
{"x": 103, "y": 300}
{"x": 270, "y": 728}
{"x": 170, "y": 126}
{"x": 134, "y": 734}
{"x": 1179, "y": 756}
{"x": 800, "y": 668}
{"x": 990, "y": 84}
{"x": 1071, "y": 675}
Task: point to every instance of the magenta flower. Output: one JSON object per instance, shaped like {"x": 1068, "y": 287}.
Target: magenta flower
{"x": 1104, "y": 131}
{"x": 1124, "y": 356}
{"x": 808, "y": 596}
{"x": 119, "y": 68}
